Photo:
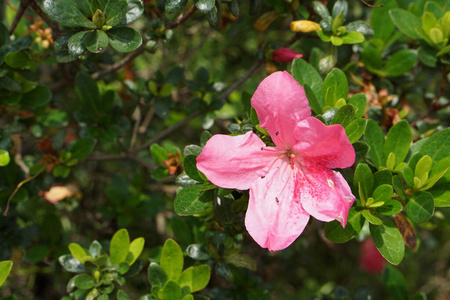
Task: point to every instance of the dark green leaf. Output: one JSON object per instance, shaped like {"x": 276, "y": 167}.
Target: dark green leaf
{"x": 344, "y": 115}
{"x": 84, "y": 281}
{"x": 156, "y": 275}
{"x": 115, "y": 12}
{"x": 175, "y": 6}
{"x": 181, "y": 230}
{"x": 400, "y": 62}
{"x": 337, "y": 234}
{"x": 37, "y": 253}
{"x": 190, "y": 167}
{"x": 420, "y": 207}
{"x": 427, "y": 56}
{"x": 398, "y": 141}
{"x": 171, "y": 290}
{"x": 355, "y": 129}
{"x": 82, "y": 148}
{"x": 37, "y": 97}
{"x": 87, "y": 90}
{"x": 380, "y": 20}
{"x": 233, "y": 6}
{"x": 388, "y": 241}
{"x": 406, "y": 22}
{"x": 374, "y": 137}
{"x": 124, "y": 39}
{"x": 193, "y": 200}
{"x": 398, "y": 186}
{"x": 395, "y": 283}
{"x": 371, "y": 57}
{"x": 359, "y": 101}
{"x": 121, "y": 295}
{"x": 135, "y": 10}
{"x": 96, "y": 41}
{"x": 311, "y": 81}
{"x": 335, "y": 87}
{"x": 18, "y": 59}
{"x": 438, "y": 145}
{"x": 390, "y": 208}
{"x": 363, "y": 180}
{"x": 66, "y": 13}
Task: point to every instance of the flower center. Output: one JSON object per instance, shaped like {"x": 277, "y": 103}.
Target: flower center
{"x": 291, "y": 155}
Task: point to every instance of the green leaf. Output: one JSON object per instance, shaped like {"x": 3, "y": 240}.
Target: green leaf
{"x": 121, "y": 295}
{"x": 66, "y": 13}
{"x": 124, "y": 39}
{"x": 371, "y": 217}
{"x": 398, "y": 141}
{"x": 115, "y": 12}
{"x": 136, "y": 247}
{"x": 119, "y": 246}
{"x": 88, "y": 92}
{"x": 4, "y": 158}
{"x": 406, "y": 22}
{"x": 204, "y": 5}
{"x": 135, "y": 10}
{"x": 196, "y": 278}
{"x": 352, "y": 37}
{"x": 344, "y": 115}
{"x": 18, "y": 59}
{"x": 420, "y": 207}
{"x": 159, "y": 154}
{"x": 359, "y": 26}
{"x": 321, "y": 9}
{"x": 380, "y": 20}
{"x": 95, "y": 249}
{"x": 390, "y": 208}
{"x": 337, "y": 234}
{"x": 359, "y": 101}
{"x": 76, "y": 43}
{"x": 82, "y": 148}
{"x": 400, "y": 62}
{"x": 71, "y": 264}
{"x": 427, "y": 55}
{"x": 241, "y": 261}
{"x": 382, "y": 177}
{"x": 363, "y": 180}
{"x": 441, "y": 194}
{"x": 197, "y": 252}
{"x": 96, "y": 41}
{"x": 171, "y": 290}
{"x": 395, "y": 283}
{"x": 192, "y": 200}
{"x": 437, "y": 146}
{"x": 374, "y": 137}
{"x": 190, "y": 167}
{"x": 36, "y": 98}
{"x": 388, "y": 241}
{"x": 156, "y": 275}
{"x": 78, "y": 252}
{"x": 383, "y": 193}
{"x": 335, "y": 86}
{"x": 311, "y": 81}
{"x": 355, "y": 129}
{"x": 5, "y": 269}
{"x": 171, "y": 259}
{"x": 398, "y": 186}
{"x": 84, "y": 281}
{"x": 175, "y": 6}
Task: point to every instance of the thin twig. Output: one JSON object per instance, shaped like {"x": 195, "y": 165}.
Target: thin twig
{"x": 371, "y": 5}
{"x": 16, "y": 189}
{"x": 182, "y": 18}
{"x": 22, "y": 8}
{"x": 55, "y": 29}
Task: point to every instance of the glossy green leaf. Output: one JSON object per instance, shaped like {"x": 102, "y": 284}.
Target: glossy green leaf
{"x": 171, "y": 290}
{"x": 371, "y": 217}
{"x": 441, "y": 194}
{"x": 321, "y": 9}
{"x": 156, "y": 275}
{"x": 4, "y": 158}
{"x": 398, "y": 141}
{"x": 124, "y": 39}
{"x": 78, "y": 252}
{"x": 406, "y": 22}
{"x": 96, "y": 41}
{"x": 335, "y": 86}
{"x": 95, "y": 249}
{"x": 66, "y": 13}
{"x": 136, "y": 247}
{"x": 190, "y": 167}
{"x": 438, "y": 145}
{"x": 135, "y": 10}
{"x": 355, "y": 130}
{"x": 344, "y": 115}
{"x": 71, "y": 264}
{"x": 175, "y": 6}
{"x": 171, "y": 259}
{"x": 204, "y": 6}
{"x": 115, "y": 12}
{"x": 388, "y": 241}
{"x": 196, "y": 278}
{"x": 337, "y": 234}
{"x": 363, "y": 180}
{"x": 5, "y": 269}
{"x": 119, "y": 246}
{"x": 192, "y": 200}
{"x": 359, "y": 101}
{"x": 390, "y": 208}
{"x": 197, "y": 252}
{"x": 420, "y": 207}
{"x": 353, "y": 37}
{"x": 122, "y": 295}
{"x": 375, "y": 138}
{"x": 82, "y": 148}
{"x": 84, "y": 281}
{"x": 395, "y": 283}
{"x": 311, "y": 81}
{"x": 382, "y": 193}
{"x": 400, "y": 62}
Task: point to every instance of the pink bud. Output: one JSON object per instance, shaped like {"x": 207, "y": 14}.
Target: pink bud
{"x": 285, "y": 55}
{"x": 370, "y": 259}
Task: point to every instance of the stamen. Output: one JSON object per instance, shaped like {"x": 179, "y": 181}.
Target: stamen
{"x": 277, "y": 133}
{"x": 262, "y": 177}
{"x": 276, "y": 199}
{"x": 292, "y": 159}
{"x": 331, "y": 184}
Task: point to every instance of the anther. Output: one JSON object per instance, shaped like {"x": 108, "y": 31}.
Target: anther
{"x": 276, "y": 199}
{"x": 262, "y": 148}
{"x": 277, "y": 133}
{"x": 262, "y": 177}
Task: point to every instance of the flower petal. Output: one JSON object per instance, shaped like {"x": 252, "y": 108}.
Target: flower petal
{"x": 234, "y": 161}
{"x": 274, "y": 216}
{"x": 280, "y": 103}
{"x": 324, "y": 194}
{"x": 327, "y": 146}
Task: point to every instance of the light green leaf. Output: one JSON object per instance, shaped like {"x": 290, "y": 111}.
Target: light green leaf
{"x": 119, "y": 246}
{"x": 398, "y": 141}
{"x": 355, "y": 129}
{"x": 5, "y": 269}
{"x": 4, "y": 158}
{"x": 136, "y": 247}
{"x": 311, "y": 81}
{"x": 196, "y": 278}
{"x": 371, "y": 217}
{"x": 78, "y": 252}
{"x": 171, "y": 259}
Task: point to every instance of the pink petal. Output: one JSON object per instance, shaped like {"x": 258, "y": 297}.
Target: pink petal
{"x": 280, "y": 103}
{"x": 285, "y": 55}
{"x": 274, "y": 216}
{"x": 324, "y": 194}
{"x": 234, "y": 161}
{"x": 327, "y": 146}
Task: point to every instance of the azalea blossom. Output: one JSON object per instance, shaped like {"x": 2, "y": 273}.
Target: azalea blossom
{"x": 370, "y": 258}
{"x": 285, "y": 55}
{"x": 290, "y": 181}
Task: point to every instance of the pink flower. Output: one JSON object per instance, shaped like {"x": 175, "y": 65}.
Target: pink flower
{"x": 285, "y": 55}
{"x": 290, "y": 181}
{"x": 371, "y": 259}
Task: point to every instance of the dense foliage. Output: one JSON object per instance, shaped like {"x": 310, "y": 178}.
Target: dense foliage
{"x": 105, "y": 106}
